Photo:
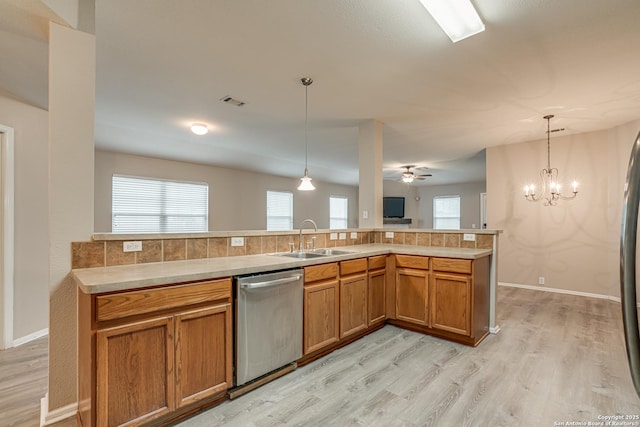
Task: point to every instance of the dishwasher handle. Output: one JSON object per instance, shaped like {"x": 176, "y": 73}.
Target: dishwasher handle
{"x": 270, "y": 283}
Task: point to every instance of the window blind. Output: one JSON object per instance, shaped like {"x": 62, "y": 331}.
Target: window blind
{"x": 145, "y": 205}
{"x": 338, "y": 212}
{"x": 446, "y": 212}
{"x": 279, "y": 210}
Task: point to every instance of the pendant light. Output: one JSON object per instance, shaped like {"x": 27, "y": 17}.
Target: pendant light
{"x": 305, "y": 181}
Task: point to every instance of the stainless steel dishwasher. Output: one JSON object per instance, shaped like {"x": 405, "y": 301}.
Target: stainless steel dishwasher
{"x": 269, "y": 322}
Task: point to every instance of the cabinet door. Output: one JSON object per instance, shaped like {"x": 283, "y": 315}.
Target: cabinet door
{"x": 451, "y": 303}
{"x": 377, "y": 285}
{"x": 135, "y": 382}
{"x": 412, "y": 295}
{"x": 320, "y": 315}
{"x": 203, "y": 353}
{"x": 353, "y": 305}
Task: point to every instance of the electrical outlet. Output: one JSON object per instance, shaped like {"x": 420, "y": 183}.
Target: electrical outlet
{"x": 343, "y": 236}
{"x": 469, "y": 237}
{"x": 132, "y": 246}
{"x": 365, "y": 214}
{"x": 541, "y": 280}
{"x": 237, "y": 241}
{"x": 354, "y": 235}
{"x": 333, "y": 236}
{"x": 388, "y": 234}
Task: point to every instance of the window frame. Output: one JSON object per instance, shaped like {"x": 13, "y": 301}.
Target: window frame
{"x": 165, "y": 204}
{"x": 289, "y": 217}
{"x": 345, "y": 218}
{"x": 435, "y": 217}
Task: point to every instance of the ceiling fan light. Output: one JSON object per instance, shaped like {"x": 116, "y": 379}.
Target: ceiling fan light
{"x": 457, "y": 18}
{"x": 199, "y": 129}
{"x": 407, "y": 179}
{"x": 305, "y": 183}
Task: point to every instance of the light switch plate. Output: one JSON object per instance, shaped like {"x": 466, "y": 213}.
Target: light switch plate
{"x": 237, "y": 241}
{"x": 365, "y": 214}
{"x": 333, "y": 236}
{"x": 469, "y": 237}
{"x": 354, "y": 235}
{"x": 132, "y": 246}
{"x": 343, "y": 236}
{"x": 388, "y": 234}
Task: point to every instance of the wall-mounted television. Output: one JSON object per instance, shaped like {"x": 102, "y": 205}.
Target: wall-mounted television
{"x": 393, "y": 207}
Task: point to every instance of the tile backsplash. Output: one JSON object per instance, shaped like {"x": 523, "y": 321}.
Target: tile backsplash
{"x": 101, "y": 253}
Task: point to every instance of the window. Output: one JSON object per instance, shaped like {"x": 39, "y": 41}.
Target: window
{"x": 279, "y": 210}
{"x": 145, "y": 205}
{"x": 338, "y": 212}
{"x": 446, "y": 212}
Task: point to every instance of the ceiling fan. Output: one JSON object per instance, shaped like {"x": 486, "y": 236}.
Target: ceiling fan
{"x": 408, "y": 176}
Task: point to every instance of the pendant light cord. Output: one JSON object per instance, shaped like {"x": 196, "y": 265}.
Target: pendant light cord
{"x": 306, "y": 118}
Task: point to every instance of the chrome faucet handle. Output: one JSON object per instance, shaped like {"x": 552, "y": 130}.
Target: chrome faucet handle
{"x": 313, "y": 242}
{"x": 308, "y": 245}
{"x": 291, "y": 247}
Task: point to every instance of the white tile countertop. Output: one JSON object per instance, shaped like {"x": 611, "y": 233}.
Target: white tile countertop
{"x": 125, "y": 277}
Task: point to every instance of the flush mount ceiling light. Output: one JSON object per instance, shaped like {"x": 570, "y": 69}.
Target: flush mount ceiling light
{"x": 549, "y": 176}
{"x": 199, "y": 129}
{"x": 305, "y": 181}
{"x": 457, "y": 18}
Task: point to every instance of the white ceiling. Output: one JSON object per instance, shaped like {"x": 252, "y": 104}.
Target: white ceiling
{"x": 163, "y": 64}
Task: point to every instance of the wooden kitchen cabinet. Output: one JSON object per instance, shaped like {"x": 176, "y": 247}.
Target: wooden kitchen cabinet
{"x": 353, "y": 297}
{"x": 203, "y": 337}
{"x": 460, "y": 299}
{"x": 321, "y": 307}
{"x": 412, "y": 295}
{"x": 135, "y": 368}
{"x": 377, "y": 289}
{"x": 451, "y": 303}
{"x": 148, "y": 354}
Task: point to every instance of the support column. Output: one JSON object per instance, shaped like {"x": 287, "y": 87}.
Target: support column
{"x": 72, "y": 72}
{"x": 370, "y": 181}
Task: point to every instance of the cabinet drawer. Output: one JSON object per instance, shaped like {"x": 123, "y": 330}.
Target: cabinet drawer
{"x": 377, "y": 262}
{"x": 452, "y": 265}
{"x": 411, "y": 261}
{"x": 320, "y": 272}
{"x": 353, "y": 266}
{"x": 124, "y": 304}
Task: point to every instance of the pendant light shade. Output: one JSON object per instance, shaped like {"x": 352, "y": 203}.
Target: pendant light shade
{"x": 305, "y": 181}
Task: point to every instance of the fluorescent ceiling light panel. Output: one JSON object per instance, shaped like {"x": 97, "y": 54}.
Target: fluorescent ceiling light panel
{"x": 457, "y": 18}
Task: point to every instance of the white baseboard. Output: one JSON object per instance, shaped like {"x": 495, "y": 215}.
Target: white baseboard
{"x": 561, "y": 291}
{"x": 48, "y": 418}
{"x": 34, "y": 336}
{"x": 494, "y": 329}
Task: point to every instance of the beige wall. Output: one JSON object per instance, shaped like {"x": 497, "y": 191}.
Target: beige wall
{"x": 572, "y": 245}
{"x": 237, "y": 199}
{"x": 31, "y": 303}
{"x": 71, "y": 157}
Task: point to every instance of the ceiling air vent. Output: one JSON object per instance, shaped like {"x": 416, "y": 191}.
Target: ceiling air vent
{"x": 232, "y": 101}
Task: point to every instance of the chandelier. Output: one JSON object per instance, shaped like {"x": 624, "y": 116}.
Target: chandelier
{"x": 551, "y": 189}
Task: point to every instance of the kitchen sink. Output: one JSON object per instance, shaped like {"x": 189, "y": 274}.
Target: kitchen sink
{"x": 302, "y": 255}
{"x": 328, "y": 252}
{"x": 317, "y": 253}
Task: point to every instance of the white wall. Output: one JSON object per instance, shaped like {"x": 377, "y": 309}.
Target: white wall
{"x": 237, "y": 199}
{"x": 31, "y": 302}
{"x": 573, "y": 245}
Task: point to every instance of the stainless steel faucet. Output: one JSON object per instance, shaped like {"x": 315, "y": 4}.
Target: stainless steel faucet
{"x": 300, "y": 235}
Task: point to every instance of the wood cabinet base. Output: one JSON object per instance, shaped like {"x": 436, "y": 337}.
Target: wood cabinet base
{"x": 439, "y": 333}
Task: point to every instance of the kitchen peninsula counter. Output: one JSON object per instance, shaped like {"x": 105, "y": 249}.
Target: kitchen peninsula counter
{"x": 126, "y": 277}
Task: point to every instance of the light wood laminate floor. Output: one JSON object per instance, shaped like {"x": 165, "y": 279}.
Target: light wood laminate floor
{"x": 557, "y": 359}
{"x": 23, "y": 382}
